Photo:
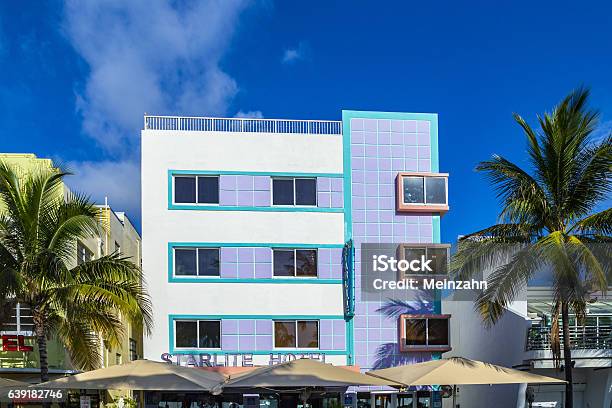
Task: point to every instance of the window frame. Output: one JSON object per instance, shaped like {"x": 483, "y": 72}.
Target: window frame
{"x": 132, "y": 349}
{"x": 197, "y": 334}
{"x": 197, "y": 263}
{"x": 17, "y": 310}
{"x": 401, "y": 252}
{"x": 295, "y": 276}
{"x": 293, "y": 179}
{"x": 426, "y": 347}
{"x": 88, "y": 253}
{"x": 196, "y": 176}
{"x": 420, "y": 207}
{"x": 296, "y": 321}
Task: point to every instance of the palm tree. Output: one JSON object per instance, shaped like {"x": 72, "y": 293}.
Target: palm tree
{"x": 548, "y": 221}
{"x": 81, "y": 306}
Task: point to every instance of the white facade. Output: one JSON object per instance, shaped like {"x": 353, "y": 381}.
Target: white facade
{"x": 164, "y": 151}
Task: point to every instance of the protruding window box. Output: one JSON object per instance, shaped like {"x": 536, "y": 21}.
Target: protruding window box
{"x": 422, "y": 192}
{"x": 438, "y": 254}
{"x": 424, "y": 332}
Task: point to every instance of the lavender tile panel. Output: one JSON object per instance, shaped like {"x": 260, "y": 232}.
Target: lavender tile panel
{"x": 247, "y": 342}
{"x": 326, "y": 327}
{"x": 227, "y": 182}
{"x": 244, "y": 182}
{"x": 229, "y": 342}
{"x": 246, "y": 270}
{"x": 389, "y": 147}
{"x": 227, "y": 197}
{"x": 263, "y": 342}
{"x": 261, "y": 198}
{"x": 263, "y": 271}
{"x": 263, "y": 255}
{"x": 261, "y": 183}
{"x": 263, "y": 327}
{"x": 246, "y": 326}
{"x": 229, "y": 326}
{"x": 326, "y": 342}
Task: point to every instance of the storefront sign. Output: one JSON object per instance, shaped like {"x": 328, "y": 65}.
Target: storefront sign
{"x": 14, "y": 342}
{"x": 233, "y": 359}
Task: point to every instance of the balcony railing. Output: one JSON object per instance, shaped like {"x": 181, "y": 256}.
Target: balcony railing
{"x": 202, "y": 124}
{"x": 582, "y": 338}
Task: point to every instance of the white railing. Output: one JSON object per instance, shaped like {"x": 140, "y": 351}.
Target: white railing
{"x": 314, "y": 127}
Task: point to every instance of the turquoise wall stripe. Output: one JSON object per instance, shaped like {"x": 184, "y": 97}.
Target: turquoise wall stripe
{"x": 260, "y": 352}
{"x": 308, "y": 281}
{"x": 195, "y": 279}
{"x": 348, "y": 219}
{"x": 243, "y": 208}
{"x": 204, "y": 207}
{"x": 253, "y": 173}
{"x": 251, "y": 245}
{"x": 173, "y": 317}
{"x": 255, "y": 316}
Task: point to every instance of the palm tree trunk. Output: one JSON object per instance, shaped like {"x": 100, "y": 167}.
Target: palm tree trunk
{"x": 567, "y": 357}
{"x": 41, "y": 339}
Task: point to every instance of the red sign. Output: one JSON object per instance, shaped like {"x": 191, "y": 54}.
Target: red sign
{"x": 14, "y": 342}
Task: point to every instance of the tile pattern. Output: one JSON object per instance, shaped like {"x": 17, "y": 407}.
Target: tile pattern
{"x": 255, "y": 191}
{"x": 256, "y": 263}
{"x": 257, "y": 335}
{"x": 381, "y": 148}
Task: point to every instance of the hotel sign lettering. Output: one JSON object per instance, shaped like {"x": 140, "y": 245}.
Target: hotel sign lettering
{"x": 233, "y": 359}
{"x": 14, "y": 342}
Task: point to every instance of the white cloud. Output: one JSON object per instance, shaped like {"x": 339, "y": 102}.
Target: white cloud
{"x": 249, "y": 114}
{"x": 119, "y": 181}
{"x": 155, "y": 57}
{"x": 295, "y": 54}
{"x": 159, "y": 57}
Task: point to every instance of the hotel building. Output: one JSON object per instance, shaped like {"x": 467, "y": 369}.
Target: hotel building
{"x": 253, "y": 230}
{"x": 115, "y": 234}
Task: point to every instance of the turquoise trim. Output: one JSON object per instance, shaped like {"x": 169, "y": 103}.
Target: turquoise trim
{"x": 254, "y": 317}
{"x": 173, "y": 317}
{"x": 259, "y": 352}
{"x": 253, "y": 173}
{"x": 213, "y": 207}
{"x": 348, "y": 220}
{"x": 243, "y": 208}
{"x": 196, "y": 279}
{"x": 312, "y": 281}
{"x": 251, "y": 245}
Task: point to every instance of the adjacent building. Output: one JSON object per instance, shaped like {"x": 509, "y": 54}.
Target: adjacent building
{"x": 116, "y": 234}
{"x": 253, "y": 232}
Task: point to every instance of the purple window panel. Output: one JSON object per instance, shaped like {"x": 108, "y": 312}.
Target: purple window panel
{"x": 247, "y": 342}
{"x": 246, "y": 326}
{"x": 263, "y": 327}
{"x": 263, "y": 342}
{"x": 229, "y": 326}
{"x": 229, "y": 342}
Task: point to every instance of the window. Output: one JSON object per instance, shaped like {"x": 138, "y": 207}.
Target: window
{"x": 294, "y": 191}
{"x": 133, "y": 350}
{"x": 422, "y": 192}
{"x": 19, "y": 320}
{"x": 198, "y": 334}
{"x": 438, "y": 254}
{"x": 118, "y": 359}
{"x": 196, "y": 261}
{"x": 196, "y": 189}
{"x": 84, "y": 254}
{"x": 424, "y": 332}
{"x": 300, "y": 263}
{"x": 296, "y": 334}
{"x": 117, "y": 247}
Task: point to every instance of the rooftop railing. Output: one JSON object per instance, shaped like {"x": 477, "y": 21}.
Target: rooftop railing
{"x": 582, "y": 338}
{"x": 251, "y": 125}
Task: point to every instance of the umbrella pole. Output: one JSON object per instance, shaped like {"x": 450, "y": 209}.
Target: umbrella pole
{"x": 455, "y": 396}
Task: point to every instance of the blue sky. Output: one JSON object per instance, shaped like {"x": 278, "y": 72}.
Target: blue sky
{"x": 77, "y": 77}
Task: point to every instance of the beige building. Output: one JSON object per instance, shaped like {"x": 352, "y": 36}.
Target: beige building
{"x": 116, "y": 234}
